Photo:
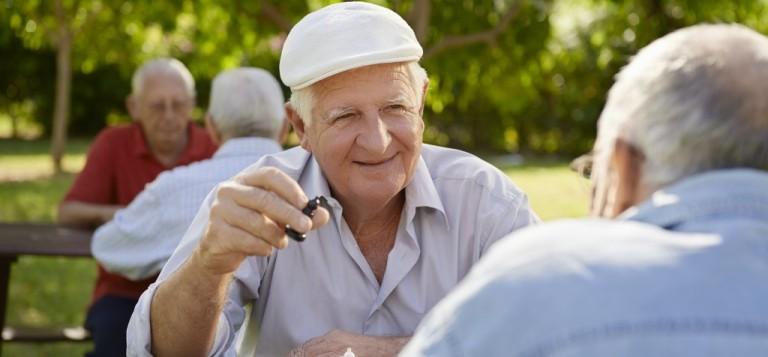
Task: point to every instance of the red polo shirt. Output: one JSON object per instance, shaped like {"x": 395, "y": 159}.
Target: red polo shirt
{"x": 118, "y": 166}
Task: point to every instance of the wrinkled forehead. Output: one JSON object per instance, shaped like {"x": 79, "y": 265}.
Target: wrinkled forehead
{"x": 163, "y": 84}
{"x": 375, "y": 82}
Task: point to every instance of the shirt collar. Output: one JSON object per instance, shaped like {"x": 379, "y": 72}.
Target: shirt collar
{"x": 247, "y": 146}
{"x": 314, "y": 182}
{"x": 140, "y": 147}
{"x": 722, "y": 193}
{"x": 192, "y": 149}
{"x": 420, "y": 192}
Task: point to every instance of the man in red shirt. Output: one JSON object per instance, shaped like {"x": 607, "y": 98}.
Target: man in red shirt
{"x": 120, "y": 162}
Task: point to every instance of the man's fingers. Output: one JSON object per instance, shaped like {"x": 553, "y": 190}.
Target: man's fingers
{"x": 321, "y": 217}
{"x": 255, "y": 224}
{"x": 274, "y": 180}
{"x": 239, "y": 240}
{"x": 269, "y": 204}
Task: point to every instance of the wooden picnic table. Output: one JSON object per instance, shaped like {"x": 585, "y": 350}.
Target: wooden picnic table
{"x": 36, "y": 239}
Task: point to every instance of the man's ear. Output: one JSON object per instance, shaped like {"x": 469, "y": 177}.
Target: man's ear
{"x": 423, "y": 97}
{"x": 628, "y": 162}
{"x": 132, "y": 106}
{"x": 210, "y": 127}
{"x": 298, "y": 126}
{"x": 285, "y": 130}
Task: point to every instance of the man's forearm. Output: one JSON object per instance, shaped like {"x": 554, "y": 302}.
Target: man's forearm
{"x": 84, "y": 214}
{"x": 185, "y": 311}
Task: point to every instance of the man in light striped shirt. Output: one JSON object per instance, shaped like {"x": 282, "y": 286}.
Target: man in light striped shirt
{"x": 247, "y": 118}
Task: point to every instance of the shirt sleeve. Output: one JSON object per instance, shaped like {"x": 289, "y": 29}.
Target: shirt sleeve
{"x": 503, "y": 218}
{"x": 139, "y": 333}
{"x": 136, "y": 242}
{"x": 96, "y": 182}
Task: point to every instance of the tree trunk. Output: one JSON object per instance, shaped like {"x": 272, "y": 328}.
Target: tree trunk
{"x": 63, "y": 84}
{"x": 14, "y": 123}
{"x": 419, "y": 18}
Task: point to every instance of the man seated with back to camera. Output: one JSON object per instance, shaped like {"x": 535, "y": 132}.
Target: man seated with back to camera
{"x": 677, "y": 265}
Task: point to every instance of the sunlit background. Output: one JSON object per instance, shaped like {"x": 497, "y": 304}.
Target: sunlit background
{"x": 519, "y": 82}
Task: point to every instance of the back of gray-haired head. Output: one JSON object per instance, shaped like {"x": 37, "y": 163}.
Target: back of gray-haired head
{"x": 162, "y": 66}
{"x": 693, "y": 101}
{"x": 247, "y": 102}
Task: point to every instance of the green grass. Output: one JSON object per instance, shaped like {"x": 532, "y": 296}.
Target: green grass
{"x": 32, "y": 200}
{"x": 56, "y": 291}
{"x": 554, "y": 191}
{"x": 22, "y": 159}
{"x": 43, "y": 291}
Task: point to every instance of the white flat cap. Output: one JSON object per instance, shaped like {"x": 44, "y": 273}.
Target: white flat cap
{"x": 345, "y": 36}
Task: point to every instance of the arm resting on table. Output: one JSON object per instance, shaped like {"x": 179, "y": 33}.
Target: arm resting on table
{"x": 84, "y": 214}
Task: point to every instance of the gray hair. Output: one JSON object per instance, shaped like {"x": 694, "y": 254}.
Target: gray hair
{"x": 247, "y": 102}
{"x": 695, "y": 100}
{"x": 302, "y": 100}
{"x": 165, "y": 65}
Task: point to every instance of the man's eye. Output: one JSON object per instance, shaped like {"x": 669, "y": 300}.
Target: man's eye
{"x": 344, "y": 116}
{"x": 396, "y": 108}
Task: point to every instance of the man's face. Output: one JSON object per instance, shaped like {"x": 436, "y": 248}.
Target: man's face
{"x": 366, "y": 131}
{"x": 163, "y": 109}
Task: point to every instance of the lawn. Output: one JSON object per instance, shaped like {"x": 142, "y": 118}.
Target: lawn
{"x": 553, "y": 190}
{"x": 43, "y": 291}
{"x": 56, "y": 291}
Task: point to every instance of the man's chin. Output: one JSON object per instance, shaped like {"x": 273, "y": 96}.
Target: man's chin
{"x": 377, "y": 192}
{"x": 169, "y": 142}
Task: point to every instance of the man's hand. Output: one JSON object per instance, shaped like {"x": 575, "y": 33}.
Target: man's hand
{"x": 336, "y": 342}
{"x": 249, "y": 216}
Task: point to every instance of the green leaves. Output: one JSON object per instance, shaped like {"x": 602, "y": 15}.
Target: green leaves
{"x": 504, "y": 74}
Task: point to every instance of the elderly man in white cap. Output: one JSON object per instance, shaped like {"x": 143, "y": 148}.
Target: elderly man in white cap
{"x": 681, "y": 155}
{"x": 401, "y": 222}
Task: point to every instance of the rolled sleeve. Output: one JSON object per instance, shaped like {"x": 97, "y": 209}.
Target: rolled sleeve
{"x": 139, "y": 333}
{"x": 139, "y": 336}
{"x": 227, "y": 328}
{"x": 504, "y": 217}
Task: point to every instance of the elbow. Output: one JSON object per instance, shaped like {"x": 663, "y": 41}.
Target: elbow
{"x": 63, "y": 215}
{"x": 76, "y": 214}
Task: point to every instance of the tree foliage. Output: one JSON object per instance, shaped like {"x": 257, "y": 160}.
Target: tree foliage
{"x": 505, "y": 75}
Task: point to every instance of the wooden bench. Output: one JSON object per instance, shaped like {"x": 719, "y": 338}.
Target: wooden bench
{"x": 35, "y": 239}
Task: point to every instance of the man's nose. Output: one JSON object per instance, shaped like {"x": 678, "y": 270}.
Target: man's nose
{"x": 169, "y": 110}
{"x": 375, "y": 137}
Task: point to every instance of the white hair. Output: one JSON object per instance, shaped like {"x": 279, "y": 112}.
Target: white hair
{"x": 247, "y": 102}
{"x": 695, "y": 100}
{"x": 302, "y": 100}
{"x": 165, "y": 65}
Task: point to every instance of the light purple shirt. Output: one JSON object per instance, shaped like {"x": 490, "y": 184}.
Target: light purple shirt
{"x": 456, "y": 206}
